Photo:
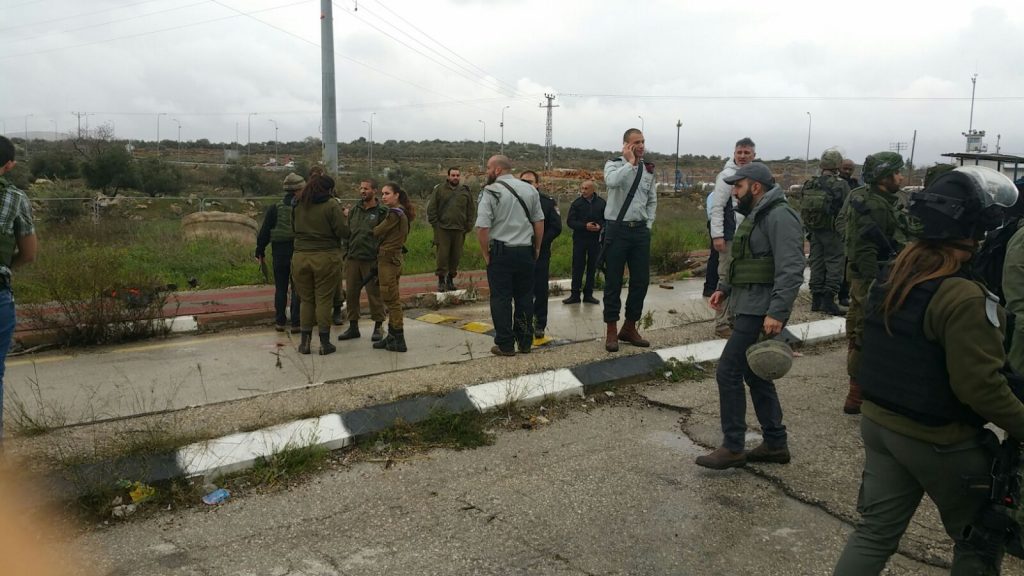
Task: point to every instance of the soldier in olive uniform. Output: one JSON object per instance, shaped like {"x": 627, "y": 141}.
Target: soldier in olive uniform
{"x": 542, "y": 267}
{"x": 875, "y": 231}
{"x": 319, "y": 225}
{"x": 392, "y": 232}
{"x": 822, "y": 199}
{"x": 451, "y": 211}
{"x": 361, "y": 260}
{"x": 931, "y": 372}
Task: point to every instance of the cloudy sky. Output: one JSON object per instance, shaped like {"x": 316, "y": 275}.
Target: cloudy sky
{"x": 862, "y": 74}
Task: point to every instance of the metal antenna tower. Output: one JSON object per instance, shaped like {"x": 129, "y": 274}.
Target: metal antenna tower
{"x": 547, "y": 133}
{"x": 897, "y": 147}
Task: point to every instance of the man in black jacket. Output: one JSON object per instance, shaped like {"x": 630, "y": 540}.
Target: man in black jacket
{"x": 541, "y": 268}
{"x": 586, "y": 219}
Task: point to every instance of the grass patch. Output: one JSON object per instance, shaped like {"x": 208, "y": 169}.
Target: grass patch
{"x": 441, "y": 429}
{"x": 676, "y": 370}
{"x": 291, "y": 461}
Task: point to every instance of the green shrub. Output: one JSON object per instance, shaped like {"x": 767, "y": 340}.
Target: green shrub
{"x": 109, "y": 168}
{"x": 53, "y": 164}
{"x": 157, "y": 178}
{"x": 60, "y": 201}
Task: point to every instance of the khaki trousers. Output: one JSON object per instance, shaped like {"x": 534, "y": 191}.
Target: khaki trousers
{"x": 356, "y": 272}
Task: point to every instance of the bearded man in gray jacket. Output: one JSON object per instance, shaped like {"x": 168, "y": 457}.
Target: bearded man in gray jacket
{"x": 759, "y": 288}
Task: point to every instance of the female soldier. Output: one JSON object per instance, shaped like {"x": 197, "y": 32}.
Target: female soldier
{"x": 392, "y": 232}
{"x": 319, "y": 226}
{"x": 924, "y": 409}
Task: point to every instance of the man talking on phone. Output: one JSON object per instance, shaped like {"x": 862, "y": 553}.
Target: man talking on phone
{"x": 629, "y": 215}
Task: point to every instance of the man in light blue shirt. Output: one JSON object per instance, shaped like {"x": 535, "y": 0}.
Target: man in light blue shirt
{"x": 628, "y": 243}
{"x": 510, "y": 228}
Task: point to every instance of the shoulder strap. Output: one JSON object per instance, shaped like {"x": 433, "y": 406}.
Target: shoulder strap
{"x": 632, "y": 191}
{"x": 521, "y": 203}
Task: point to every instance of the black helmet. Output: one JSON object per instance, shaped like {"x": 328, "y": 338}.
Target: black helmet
{"x": 962, "y": 203}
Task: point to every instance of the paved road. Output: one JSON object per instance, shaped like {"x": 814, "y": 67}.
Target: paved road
{"x": 609, "y": 490}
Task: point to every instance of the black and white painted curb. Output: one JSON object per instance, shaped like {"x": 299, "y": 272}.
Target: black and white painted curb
{"x": 219, "y": 456}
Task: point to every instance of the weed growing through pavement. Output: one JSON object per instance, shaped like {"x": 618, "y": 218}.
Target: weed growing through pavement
{"x": 33, "y": 416}
{"x": 647, "y": 320}
{"x": 678, "y": 371}
{"x": 441, "y": 429}
{"x": 293, "y": 460}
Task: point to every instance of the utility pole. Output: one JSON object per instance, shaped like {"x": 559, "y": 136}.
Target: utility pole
{"x": 329, "y": 116}
{"x": 547, "y": 134}
{"x": 807, "y": 155}
{"x": 897, "y": 147}
{"x": 372, "y": 114}
{"x": 248, "y": 132}
{"x": 27, "y": 116}
{"x": 503, "y": 129}
{"x": 999, "y": 137}
{"x": 158, "y": 115}
{"x": 483, "y": 150}
{"x": 178, "y": 122}
{"x": 913, "y": 144}
{"x": 679, "y": 179}
{"x": 79, "y": 115}
{"x": 276, "y": 157}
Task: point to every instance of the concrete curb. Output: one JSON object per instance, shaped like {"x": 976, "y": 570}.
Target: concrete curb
{"x": 216, "y": 457}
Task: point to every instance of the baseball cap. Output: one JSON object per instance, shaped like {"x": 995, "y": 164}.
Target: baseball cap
{"x": 756, "y": 171}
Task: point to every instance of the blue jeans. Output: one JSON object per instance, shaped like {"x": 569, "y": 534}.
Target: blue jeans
{"x": 732, "y": 372}
{"x": 7, "y": 323}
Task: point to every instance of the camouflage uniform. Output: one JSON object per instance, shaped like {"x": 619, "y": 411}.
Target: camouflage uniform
{"x": 819, "y": 216}
{"x": 875, "y": 231}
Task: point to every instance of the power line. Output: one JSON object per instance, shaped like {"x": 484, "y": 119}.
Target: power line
{"x": 798, "y": 98}
{"x": 97, "y": 25}
{"x": 478, "y": 72}
{"x": 74, "y": 16}
{"x": 471, "y": 78}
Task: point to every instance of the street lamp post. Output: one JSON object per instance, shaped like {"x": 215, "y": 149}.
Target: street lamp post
{"x": 276, "y": 157}
{"x": 248, "y": 132}
{"x": 27, "y": 116}
{"x": 503, "y": 129}
{"x": 641, "y": 122}
{"x": 178, "y": 122}
{"x": 369, "y": 159}
{"x": 158, "y": 115}
{"x": 807, "y": 156}
{"x": 483, "y": 149}
{"x": 679, "y": 124}
{"x": 54, "y": 129}
{"x": 372, "y": 114}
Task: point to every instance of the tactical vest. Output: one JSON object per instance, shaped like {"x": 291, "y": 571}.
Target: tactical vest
{"x": 282, "y": 230}
{"x": 745, "y": 268}
{"x": 815, "y": 211}
{"x": 904, "y": 372}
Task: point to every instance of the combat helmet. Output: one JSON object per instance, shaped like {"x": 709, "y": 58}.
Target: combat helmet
{"x": 962, "y": 204}
{"x": 881, "y": 164}
{"x": 831, "y": 159}
{"x": 770, "y": 359}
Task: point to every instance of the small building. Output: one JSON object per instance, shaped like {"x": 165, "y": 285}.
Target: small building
{"x": 1010, "y": 165}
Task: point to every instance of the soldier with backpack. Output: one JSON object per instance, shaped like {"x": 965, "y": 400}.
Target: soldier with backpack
{"x": 277, "y": 232}
{"x": 823, "y": 197}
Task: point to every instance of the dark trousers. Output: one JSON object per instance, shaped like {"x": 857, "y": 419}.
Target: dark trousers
{"x": 541, "y": 277}
{"x": 630, "y": 247}
{"x": 510, "y": 279}
{"x": 584, "y": 261}
{"x": 282, "y": 282}
{"x": 732, "y": 372}
{"x": 711, "y": 276}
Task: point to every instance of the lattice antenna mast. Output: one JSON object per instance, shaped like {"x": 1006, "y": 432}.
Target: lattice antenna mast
{"x": 548, "y": 147}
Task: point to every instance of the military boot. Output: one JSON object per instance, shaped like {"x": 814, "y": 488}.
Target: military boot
{"x": 336, "y": 317}
{"x": 449, "y": 283}
{"x": 816, "y": 298}
{"x": 853, "y": 399}
{"x": 828, "y": 305}
{"x": 611, "y": 339}
{"x": 630, "y": 335}
{"x": 352, "y": 332}
{"x": 377, "y": 332}
{"x": 304, "y": 339}
{"x": 442, "y": 285}
{"x": 397, "y": 343}
{"x": 325, "y": 344}
{"x": 383, "y": 342}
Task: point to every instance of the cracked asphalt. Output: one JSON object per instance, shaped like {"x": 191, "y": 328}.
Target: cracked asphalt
{"x": 607, "y": 488}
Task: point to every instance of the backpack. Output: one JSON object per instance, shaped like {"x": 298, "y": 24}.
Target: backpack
{"x": 815, "y": 208}
{"x": 987, "y": 265}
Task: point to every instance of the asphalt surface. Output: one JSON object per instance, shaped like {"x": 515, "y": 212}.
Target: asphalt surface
{"x": 608, "y": 488}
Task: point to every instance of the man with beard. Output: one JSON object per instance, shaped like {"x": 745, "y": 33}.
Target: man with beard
{"x": 450, "y": 211}
{"x": 361, "y": 260}
{"x": 724, "y": 220}
{"x": 765, "y": 273}
{"x": 510, "y": 229}
{"x": 846, "y": 173}
{"x": 876, "y": 231}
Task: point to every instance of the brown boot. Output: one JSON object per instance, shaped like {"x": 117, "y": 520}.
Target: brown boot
{"x": 611, "y": 339}
{"x": 721, "y": 459}
{"x": 853, "y": 399}
{"x": 765, "y": 453}
{"x": 630, "y": 335}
